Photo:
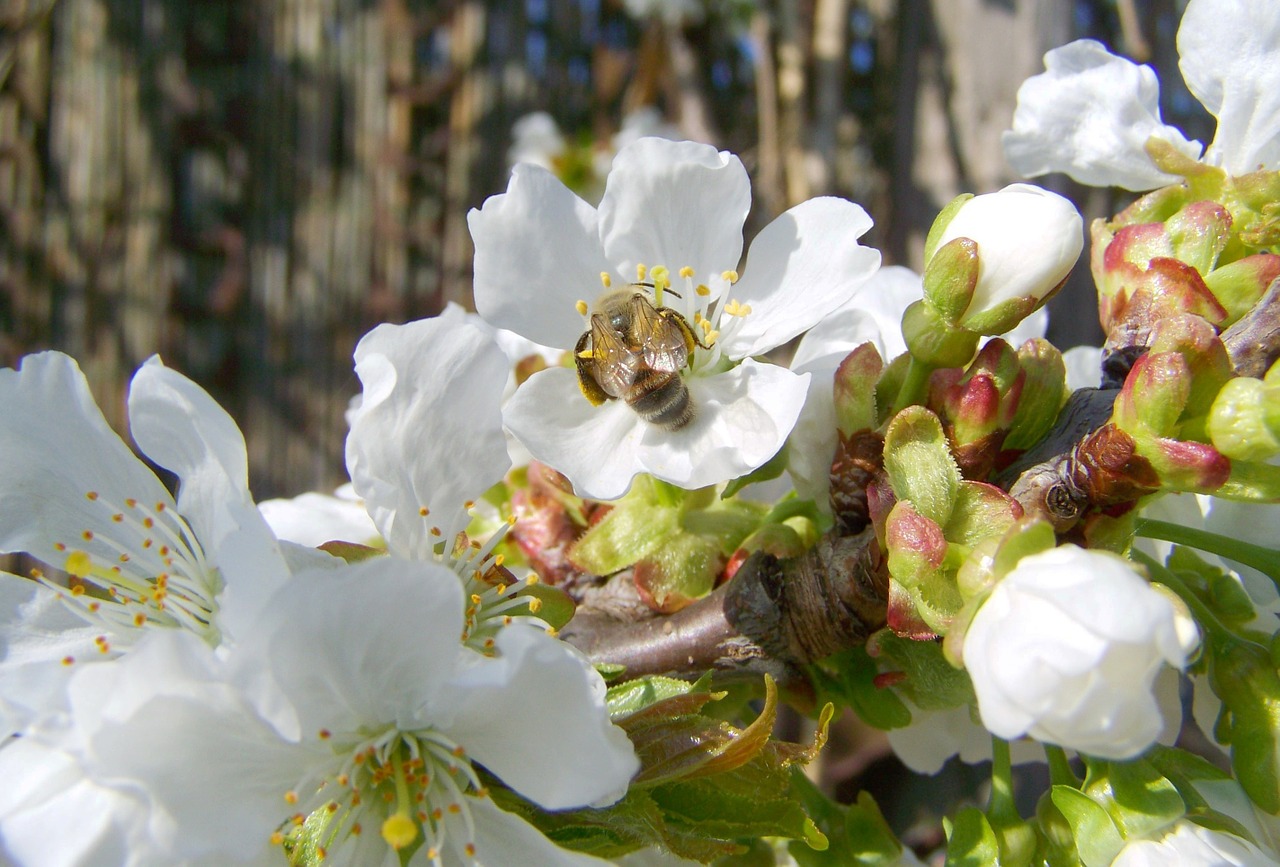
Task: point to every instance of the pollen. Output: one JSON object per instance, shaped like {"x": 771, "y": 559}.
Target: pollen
{"x": 730, "y": 276}
{"x": 686, "y": 272}
{"x": 535, "y": 605}
{"x": 586, "y": 353}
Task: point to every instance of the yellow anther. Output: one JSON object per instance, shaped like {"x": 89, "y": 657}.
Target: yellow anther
{"x": 605, "y": 279}
{"x": 731, "y": 276}
{"x": 581, "y": 307}
{"x": 291, "y": 797}
{"x": 733, "y": 308}
{"x": 640, "y": 272}
{"x": 532, "y": 579}
{"x": 423, "y": 511}
{"x": 78, "y": 564}
{"x": 705, "y": 325}
{"x": 535, "y": 605}
{"x": 91, "y": 495}
{"x": 277, "y": 838}
{"x": 686, "y": 272}
{"x": 712, "y": 336}
{"x": 703, "y": 290}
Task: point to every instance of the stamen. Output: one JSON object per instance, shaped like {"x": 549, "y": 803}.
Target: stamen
{"x": 581, "y": 306}
{"x": 606, "y": 280}
{"x": 703, "y": 290}
{"x": 640, "y": 273}
{"x": 686, "y": 272}
{"x": 730, "y": 276}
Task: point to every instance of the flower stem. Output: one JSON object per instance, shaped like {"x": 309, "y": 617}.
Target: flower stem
{"x": 1060, "y": 773}
{"x": 1257, "y": 557}
{"x": 914, "y": 385}
{"x": 1001, "y": 804}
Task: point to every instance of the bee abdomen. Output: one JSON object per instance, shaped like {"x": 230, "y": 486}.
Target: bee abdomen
{"x": 661, "y": 399}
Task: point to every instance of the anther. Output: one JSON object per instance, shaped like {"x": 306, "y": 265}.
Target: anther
{"x": 730, "y": 276}
{"x": 606, "y": 280}
{"x": 581, "y": 307}
{"x": 640, "y": 272}
{"x": 91, "y": 495}
{"x": 703, "y": 290}
{"x": 686, "y": 272}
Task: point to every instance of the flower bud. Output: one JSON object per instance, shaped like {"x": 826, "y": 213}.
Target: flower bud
{"x": 1066, "y": 649}
{"x": 1027, "y": 241}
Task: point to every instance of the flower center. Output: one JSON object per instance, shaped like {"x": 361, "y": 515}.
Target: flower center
{"x": 407, "y": 785}
{"x": 149, "y": 565}
{"x": 712, "y": 320}
{"x": 493, "y": 592}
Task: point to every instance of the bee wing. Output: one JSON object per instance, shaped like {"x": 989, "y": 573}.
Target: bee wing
{"x": 614, "y": 363}
{"x": 661, "y": 337}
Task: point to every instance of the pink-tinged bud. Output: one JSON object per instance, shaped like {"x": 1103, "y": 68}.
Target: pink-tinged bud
{"x": 1154, "y": 395}
{"x": 1244, "y": 423}
{"x": 1028, "y": 239}
{"x": 855, "y": 389}
{"x": 1133, "y": 297}
{"x": 1241, "y": 284}
{"x": 1186, "y": 466}
{"x": 880, "y": 502}
{"x": 1043, "y": 393}
{"x": 979, "y": 406}
{"x": 903, "y": 618}
{"x": 1204, "y": 352}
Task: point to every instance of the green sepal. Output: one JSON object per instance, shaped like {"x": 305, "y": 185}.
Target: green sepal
{"x": 726, "y": 522}
{"x": 1006, "y": 315}
{"x": 918, "y": 461}
{"x": 769, "y": 470}
{"x": 950, "y": 278}
{"x": 1139, "y": 799}
{"x": 1239, "y": 285}
{"x": 1026, "y": 537}
{"x": 970, "y": 840}
{"x": 683, "y": 568}
{"x": 624, "y": 699}
{"x": 940, "y": 223}
{"x": 849, "y": 679}
{"x": 1098, "y": 841}
{"x": 555, "y": 607}
{"x": 889, "y": 385}
{"x": 1238, "y": 422}
{"x": 934, "y": 341}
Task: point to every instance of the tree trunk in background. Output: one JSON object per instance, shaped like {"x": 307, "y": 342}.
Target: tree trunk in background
{"x": 960, "y": 63}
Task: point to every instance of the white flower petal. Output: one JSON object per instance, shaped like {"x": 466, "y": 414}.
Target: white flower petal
{"x": 313, "y": 518}
{"x": 180, "y": 427}
{"x": 535, "y": 716}
{"x": 53, "y": 815}
{"x": 1229, "y": 54}
{"x": 1090, "y": 115}
{"x": 1084, "y": 367}
{"x": 429, "y": 428}
{"x": 55, "y": 447}
{"x": 874, "y": 314}
{"x": 675, "y": 204}
{"x": 37, "y": 633}
{"x": 537, "y": 253}
{"x": 368, "y": 644}
{"x": 596, "y": 447}
{"x": 801, "y": 267}
{"x": 503, "y": 838}
{"x": 743, "y": 416}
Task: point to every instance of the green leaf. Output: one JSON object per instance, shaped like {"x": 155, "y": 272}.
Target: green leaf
{"x": 971, "y": 842}
{"x": 630, "y": 532}
{"x": 849, "y": 679}
{"x": 856, "y": 833}
{"x": 919, "y": 463}
{"x": 682, "y": 569}
{"x": 1140, "y": 800}
{"x": 1098, "y": 841}
{"x": 636, "y": 695}
{"x": 931, "y": 683}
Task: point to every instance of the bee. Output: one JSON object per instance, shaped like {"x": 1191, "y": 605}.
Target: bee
{"x": 635, "y": 351}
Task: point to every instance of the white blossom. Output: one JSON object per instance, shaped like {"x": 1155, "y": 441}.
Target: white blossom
{"x": 674, "y": 209}
{"x": 1091, "y": 114}
{"x": 1066, "y": 650}
{"x": 1028, "y": 241}
{"x": 1188, "y": 843}
{"x": 74, "y": 496}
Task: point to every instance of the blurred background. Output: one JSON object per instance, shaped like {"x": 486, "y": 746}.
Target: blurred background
{"x": 247, "y": 186}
